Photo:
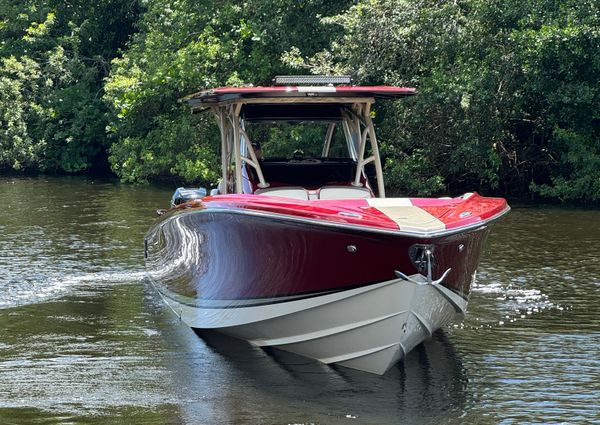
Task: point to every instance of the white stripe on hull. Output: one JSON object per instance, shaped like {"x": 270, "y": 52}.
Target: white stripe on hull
{"x": 368, "y": 328}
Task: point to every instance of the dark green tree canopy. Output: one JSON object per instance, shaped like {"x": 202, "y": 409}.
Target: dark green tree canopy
{"x": 54, "y": 56}
{"x": 508, "y": 90}
{"x": 191, "y": 45}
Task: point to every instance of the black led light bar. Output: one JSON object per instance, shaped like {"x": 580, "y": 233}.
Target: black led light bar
{"x": 311, "y": 80}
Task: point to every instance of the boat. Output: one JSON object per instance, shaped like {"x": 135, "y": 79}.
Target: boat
{"x": 304, "y": 252}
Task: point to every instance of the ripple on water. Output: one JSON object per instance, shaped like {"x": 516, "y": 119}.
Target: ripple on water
{"x": 33, "y": 290}
{"x": 509, "y": 300}
{"x": 528, "y": 351}
{"x": 550, "y": 376}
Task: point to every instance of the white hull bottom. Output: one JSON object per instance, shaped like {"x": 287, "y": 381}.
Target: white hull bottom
{"x": 368, "y": 328}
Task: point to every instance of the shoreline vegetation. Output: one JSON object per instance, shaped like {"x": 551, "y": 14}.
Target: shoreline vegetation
{"x": 508, "y": 103}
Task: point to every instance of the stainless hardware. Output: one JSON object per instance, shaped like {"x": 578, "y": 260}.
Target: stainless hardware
{"x": 428, "y": 282}
{"x": 418, "y": 256}
{"x": 349, "y": 214}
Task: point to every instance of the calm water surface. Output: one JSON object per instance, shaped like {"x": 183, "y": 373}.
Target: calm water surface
{"x": 85, "y": 339}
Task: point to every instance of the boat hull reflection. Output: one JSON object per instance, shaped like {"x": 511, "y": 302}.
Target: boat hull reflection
{"x": 427, "y": 387}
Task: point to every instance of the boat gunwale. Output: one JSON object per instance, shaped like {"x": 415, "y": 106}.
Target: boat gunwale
{"x": 345, "y": 226}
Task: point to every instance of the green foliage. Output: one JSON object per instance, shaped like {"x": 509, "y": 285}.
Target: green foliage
{"x": 578, "y": 175}
{"x": 16, "y": 148}
{"x": 179, "y": 146}
{"x": 53, "y": 57}
{"x": 188, "y": 45}
{"x": 283, "y": 139}
{"x": 508, "y": 92}
{"x": 509, "y": 99}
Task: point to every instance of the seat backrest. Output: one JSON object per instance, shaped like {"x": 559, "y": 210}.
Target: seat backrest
{"x": 291, "y": 192}
{"x": 344, "y": 192}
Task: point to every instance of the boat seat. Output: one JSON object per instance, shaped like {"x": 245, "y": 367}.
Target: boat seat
{"x": 291, "y": 192}
{"x": 344, "y": 192}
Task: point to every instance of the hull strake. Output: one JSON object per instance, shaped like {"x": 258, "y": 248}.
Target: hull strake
{"x": 368, "y": 328}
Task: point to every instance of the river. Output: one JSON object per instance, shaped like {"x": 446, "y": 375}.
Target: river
{"x": 84, "y": 338}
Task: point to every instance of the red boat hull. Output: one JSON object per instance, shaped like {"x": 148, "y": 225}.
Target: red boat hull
{"x": 357, "y": 283}
{"x": 235, "y": 255}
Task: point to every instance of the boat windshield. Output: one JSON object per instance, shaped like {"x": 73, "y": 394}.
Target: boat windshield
{"x": 298, "y": 140}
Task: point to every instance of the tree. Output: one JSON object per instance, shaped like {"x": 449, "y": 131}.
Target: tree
{"x": 53, "y": 58}
{"x": 187, "y": 45}
{"x": 508, "y": 92}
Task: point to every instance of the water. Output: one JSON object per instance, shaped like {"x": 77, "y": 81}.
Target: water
{"x": 85, "y": 339}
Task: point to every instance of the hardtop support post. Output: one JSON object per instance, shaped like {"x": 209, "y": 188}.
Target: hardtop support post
{"x": 361, "y": 162}
{"x": 328, "y": 137}
{"x": 349, "y": 137}
{"x": 222, "y": 120}
{"x": 253, "y": 160}
{"x": 375, "y": 149}
{"x": 235, "y": 120}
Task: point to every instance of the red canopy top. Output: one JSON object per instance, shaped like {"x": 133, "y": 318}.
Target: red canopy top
{"x": 227, "y": 94}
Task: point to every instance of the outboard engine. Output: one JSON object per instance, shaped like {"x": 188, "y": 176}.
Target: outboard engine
{"x": 183, "y": 195}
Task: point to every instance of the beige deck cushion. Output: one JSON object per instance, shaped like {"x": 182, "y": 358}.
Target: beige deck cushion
{"x": 407, "y": 216}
